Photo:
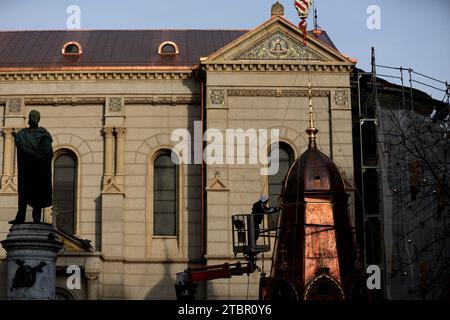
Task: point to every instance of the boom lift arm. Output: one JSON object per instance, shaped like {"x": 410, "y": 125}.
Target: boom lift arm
{"x": 186, "y": 285}
{"x": 250, "y": 238}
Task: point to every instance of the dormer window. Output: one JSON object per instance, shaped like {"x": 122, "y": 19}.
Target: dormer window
{"x": 168, "y": 48}
{"x": 72, "y": 49}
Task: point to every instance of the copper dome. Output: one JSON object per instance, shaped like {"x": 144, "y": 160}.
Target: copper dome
{"x": 313, "y": 173}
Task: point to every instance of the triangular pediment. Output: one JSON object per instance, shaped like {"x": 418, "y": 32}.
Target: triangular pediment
{"x": 112, "y": 187}
{"x": 217, "y": 185}
{"x": 277, "y": 41}
{"x": 278, "y": 45}
{"x": 9, "y": 188}
{"x": 73, "y": 243}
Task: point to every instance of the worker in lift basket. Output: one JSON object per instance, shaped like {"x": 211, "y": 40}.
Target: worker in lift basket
{"x": 259, "y": 208}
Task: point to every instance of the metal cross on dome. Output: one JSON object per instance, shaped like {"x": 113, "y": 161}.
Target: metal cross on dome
{"x": 302, "y": 7}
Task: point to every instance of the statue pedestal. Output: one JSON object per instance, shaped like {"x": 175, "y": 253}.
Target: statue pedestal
{"x": 31, "y": 261}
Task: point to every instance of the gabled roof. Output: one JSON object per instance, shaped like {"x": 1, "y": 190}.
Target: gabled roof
{"x": 113, "y": 48}
{"x": 254, "y": 45}
{"x": 109, "y": 48}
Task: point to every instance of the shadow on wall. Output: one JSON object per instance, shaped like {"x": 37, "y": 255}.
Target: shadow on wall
{"x": 98, "y": 223}
{"x": 193, "y": 224}
{"x": 193, "y": 195}
{"x": 164, "y": 289}
{"x": 2, "y": 279}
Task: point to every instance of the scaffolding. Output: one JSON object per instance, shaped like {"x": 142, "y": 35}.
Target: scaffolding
{"x": 370, "y": 131}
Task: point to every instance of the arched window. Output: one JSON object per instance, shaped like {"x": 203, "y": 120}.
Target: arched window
{"x": 324, "y": 288}
{"x": 64, "y": 190}
{"x": 168, "y": 48}
{"x": 286, "y": 158}
{"x": 165, "y": 196}
{"x": 72, "y": 48}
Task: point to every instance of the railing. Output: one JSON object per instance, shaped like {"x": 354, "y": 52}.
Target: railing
{"x": 251, "y": 235}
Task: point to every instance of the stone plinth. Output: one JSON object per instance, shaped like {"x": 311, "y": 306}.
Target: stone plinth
{"x": 31, "y": 261}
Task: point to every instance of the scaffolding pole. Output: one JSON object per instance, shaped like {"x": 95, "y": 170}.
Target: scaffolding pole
{"x": 375, "y": 118}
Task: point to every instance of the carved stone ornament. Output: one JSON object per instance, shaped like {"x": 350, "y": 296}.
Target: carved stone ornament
{"x": 341, "y": 98}
{"x": 15, "y": 105}
{"x": 217, "y": 96}
{"x": 115, "y": 105}
{"x": 278, "y": 46}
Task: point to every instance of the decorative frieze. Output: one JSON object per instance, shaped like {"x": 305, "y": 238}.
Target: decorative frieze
{"x": 164, "y": 100}
{"x": 117, "y": 105}
{"x": 276, "y": 93}
{"x": 55, "y": 101}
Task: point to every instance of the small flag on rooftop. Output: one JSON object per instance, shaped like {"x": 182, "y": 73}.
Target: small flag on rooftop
{"x": 303, "y": 7}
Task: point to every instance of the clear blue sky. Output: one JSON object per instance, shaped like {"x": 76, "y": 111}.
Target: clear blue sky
{"x": 414, "y": 33}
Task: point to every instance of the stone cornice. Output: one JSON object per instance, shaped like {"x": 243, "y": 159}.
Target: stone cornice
{"x": 279, "y": 67}
{"x": 276, "y": 93}
{"x": 94, "y": 75}
{"x": 99, "y": 75}
{"x": 80, "y": 75}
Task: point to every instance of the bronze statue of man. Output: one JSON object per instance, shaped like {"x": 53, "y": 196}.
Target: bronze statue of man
{"x": 34, "y": 158}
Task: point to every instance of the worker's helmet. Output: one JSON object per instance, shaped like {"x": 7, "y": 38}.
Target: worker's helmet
{"x": 264, "y": 198}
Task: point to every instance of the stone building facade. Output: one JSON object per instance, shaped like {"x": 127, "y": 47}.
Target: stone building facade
{"x": 112, "y": 106}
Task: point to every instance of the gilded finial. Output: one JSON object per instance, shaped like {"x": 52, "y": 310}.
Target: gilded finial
{"x": 311, "y": 130}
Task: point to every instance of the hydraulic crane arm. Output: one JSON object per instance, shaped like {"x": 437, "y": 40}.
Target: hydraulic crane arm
{"x": 187, "y": 281}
